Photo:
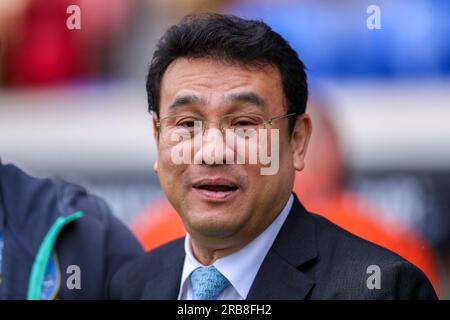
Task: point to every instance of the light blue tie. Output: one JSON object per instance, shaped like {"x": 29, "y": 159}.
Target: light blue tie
{"x": 207, "y": 283}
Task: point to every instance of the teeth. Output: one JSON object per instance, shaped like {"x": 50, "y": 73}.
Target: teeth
{"x": 217, "y": 188}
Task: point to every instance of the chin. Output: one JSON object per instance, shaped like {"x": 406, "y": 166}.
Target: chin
{"x": 213, "y": 225}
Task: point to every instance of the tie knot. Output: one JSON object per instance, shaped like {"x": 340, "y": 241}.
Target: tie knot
{"x": 207, "y": 283}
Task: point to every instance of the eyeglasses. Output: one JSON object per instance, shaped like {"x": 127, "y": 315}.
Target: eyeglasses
{"x": 173, "y": 129}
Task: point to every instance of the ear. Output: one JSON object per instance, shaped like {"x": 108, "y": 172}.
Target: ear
{"x": 300, "y": 139}
{"x": 156, "y": 137}
{"x": 155, "y": 130}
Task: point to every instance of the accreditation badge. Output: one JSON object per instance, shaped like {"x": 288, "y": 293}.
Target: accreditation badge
{"x": 52, "y": 279}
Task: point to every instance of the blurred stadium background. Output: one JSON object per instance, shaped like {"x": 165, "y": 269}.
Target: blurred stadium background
{"x": 73, "y": 107}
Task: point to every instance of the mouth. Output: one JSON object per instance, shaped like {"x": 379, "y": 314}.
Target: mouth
{"x": 215, "y": 190}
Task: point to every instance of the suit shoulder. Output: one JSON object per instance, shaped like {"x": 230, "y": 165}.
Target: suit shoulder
{"x": 129, "y": 281}
{"x": 332, "y": 237}
{"x": 352, "y": 260}
{"x": 156, "y": 259}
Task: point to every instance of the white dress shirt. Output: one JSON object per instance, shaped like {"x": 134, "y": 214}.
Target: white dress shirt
{"x": 241, "y": 267}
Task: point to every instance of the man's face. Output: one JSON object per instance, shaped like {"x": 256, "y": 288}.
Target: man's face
{"x": 227, "y": 204}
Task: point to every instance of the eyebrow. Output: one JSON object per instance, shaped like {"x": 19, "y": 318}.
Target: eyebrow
{"x": 240, "y": 97}
{"x": 246, "y": 97}
{"x": 186, "y": 99}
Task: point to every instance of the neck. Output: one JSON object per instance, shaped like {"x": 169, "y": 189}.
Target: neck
{"x": 207, "y": 250}
{"x": 207, "y": 255}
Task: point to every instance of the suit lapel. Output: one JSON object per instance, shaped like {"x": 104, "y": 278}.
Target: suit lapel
{"x": 165, "y": 284}
{"x": 278, "y": 280}
{"x": 279, "y": 276}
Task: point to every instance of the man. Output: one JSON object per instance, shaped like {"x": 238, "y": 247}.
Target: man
{"x": 57, "y": 241}
{"x": 248, "y": 237}
{"x": 323, "y": 189}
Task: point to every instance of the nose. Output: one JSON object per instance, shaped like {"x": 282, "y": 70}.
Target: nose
{"x": 212, "y": 147}
{"x": 214, "y": 150}
{"x": 212, "y": 125}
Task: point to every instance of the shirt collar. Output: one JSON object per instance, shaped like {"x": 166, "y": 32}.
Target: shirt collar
{"x": 241, "y": 267}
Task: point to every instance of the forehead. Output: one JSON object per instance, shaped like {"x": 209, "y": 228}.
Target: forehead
{"x": 213, "y": 80}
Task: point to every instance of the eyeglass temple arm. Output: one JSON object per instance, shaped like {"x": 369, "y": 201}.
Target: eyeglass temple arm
{"x": 280, "y": 117}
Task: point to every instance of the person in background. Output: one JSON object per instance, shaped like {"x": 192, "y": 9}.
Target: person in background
{"x": 56, "y": 240}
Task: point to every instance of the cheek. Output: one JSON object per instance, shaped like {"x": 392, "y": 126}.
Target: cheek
{"x": 169, "y": 173}
{"x": 287, "y": 158}
{"x": 287, "y": 169}
{"x": 165, "y": 159}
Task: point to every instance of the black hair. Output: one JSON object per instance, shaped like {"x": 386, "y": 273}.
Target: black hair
{"x": 234, "y": 39}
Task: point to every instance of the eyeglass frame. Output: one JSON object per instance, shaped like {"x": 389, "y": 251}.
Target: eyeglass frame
{"x": 265, "y": 121}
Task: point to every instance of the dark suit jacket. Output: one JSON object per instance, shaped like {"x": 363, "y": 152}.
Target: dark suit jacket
{"x": 311, "y": 258}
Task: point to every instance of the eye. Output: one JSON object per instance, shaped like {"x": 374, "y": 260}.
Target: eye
{"x": 187, "y": 123}
{"x": 245, "y": 122}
